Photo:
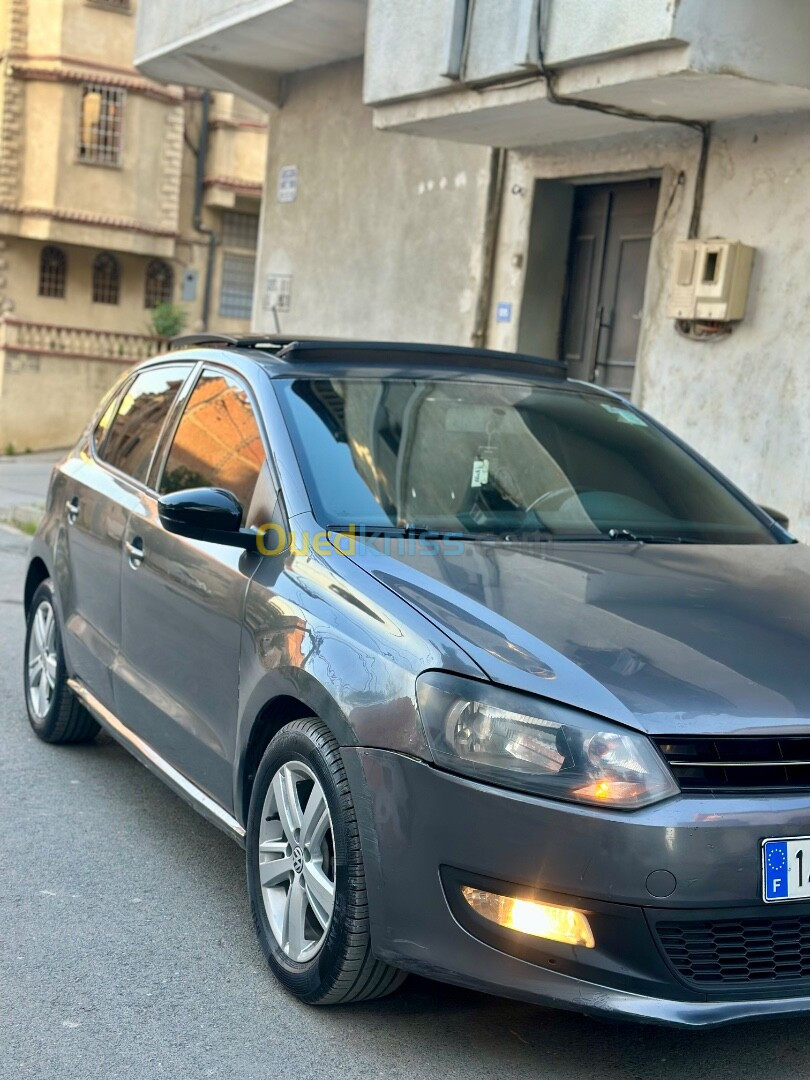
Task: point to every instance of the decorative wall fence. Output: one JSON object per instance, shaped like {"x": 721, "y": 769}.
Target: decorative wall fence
{"x": 18, "y": 336}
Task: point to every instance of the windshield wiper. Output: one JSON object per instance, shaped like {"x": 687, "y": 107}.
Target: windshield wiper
{"x": 419, "y": 532}
{"x": 648, "y": 538}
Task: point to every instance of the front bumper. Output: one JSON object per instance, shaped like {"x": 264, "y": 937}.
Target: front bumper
{"x": 425, "y": 832}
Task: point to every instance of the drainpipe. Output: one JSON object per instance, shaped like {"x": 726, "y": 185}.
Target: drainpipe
{"x": 202, "y": 153}
{"x": 489, "y": 245}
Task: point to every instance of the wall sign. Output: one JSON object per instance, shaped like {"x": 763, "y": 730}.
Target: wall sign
{"x": 277, "y": 292}
{"x": 287, "y": 190}
{"x": 504, "y": 312}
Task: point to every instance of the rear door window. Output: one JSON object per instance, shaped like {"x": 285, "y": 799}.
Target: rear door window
{"x": 217, "y": 442}
{"x": 128, "y": 440}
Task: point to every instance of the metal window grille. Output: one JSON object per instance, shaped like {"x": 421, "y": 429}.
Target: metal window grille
{"x": 240, "y": 230}
{"x": 236, "y": 289}
{"x": 159, "y": 283}
{"x": 106, "y": 279}
{"x": 52, "y": 272}
{"x": 101, "y": 124}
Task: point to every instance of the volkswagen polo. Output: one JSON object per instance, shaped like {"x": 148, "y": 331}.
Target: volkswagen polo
{"x": 495, "y": 679}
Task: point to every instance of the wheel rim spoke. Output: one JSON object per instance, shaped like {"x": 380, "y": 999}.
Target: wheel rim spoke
{"x": 287, "y": 804}
{"x": 48, "y": 627}
{"x": 274, "y": 872}
{"x": 315, "y": 821}
{"x": 42, "y": 696}
{"x": 39, "y": 627}
{"x": 50, "y": 670}
{"x": 293, "y": 939}
{"x": 320, "y": 892}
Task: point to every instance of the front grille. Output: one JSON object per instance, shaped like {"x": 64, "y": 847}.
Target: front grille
{"x": 705, "y": 763}
{"x": 736, "y": 953}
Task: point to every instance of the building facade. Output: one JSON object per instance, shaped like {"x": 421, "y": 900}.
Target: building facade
{"x": 104, "y": 216}
{"x": 524, "y": 174}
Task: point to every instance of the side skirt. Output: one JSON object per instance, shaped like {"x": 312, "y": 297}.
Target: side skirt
{"x": 149, "y": 757}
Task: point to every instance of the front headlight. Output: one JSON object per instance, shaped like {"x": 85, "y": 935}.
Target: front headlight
{"x": 518, "y": 741}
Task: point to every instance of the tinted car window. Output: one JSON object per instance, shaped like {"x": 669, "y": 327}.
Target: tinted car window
{"x": 521, "y": 459}
{"x": 217, "y": 443}
{"x": 141, "y": 412}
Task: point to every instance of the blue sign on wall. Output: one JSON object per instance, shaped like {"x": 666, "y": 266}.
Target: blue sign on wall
{"x": 504, "y": 312}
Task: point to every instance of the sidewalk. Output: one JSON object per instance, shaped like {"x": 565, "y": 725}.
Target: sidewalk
{"x": 24, "y": 485}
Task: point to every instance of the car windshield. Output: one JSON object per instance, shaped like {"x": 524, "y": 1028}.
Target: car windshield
{"x": 501, "y": 458}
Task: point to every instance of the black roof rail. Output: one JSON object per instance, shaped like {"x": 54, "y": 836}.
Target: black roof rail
{"x": 264, "y": 341}
{"x": 305, "y": 350}
{"x": 380, "y": 351}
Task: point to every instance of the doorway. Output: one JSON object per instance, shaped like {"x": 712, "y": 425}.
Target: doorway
{"x": 587, "y": 265}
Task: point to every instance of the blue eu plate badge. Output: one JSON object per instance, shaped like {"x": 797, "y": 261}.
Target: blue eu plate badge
{"x": 786, "y": 869}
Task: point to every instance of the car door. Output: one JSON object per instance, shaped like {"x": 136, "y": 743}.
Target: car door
{"x": 177, "y": 675}
{"x": 98, "y": 487}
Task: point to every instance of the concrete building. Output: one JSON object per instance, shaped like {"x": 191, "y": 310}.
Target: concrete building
{"x": 524, "y": 173}
{"x": 98, "y": 179}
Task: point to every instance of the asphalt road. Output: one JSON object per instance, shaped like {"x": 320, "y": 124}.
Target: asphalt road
{"x": 126, "y": 950}
{"x": 24, "y": 478}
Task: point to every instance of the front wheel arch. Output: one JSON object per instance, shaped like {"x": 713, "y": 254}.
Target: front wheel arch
{"x": 273, "y": 716}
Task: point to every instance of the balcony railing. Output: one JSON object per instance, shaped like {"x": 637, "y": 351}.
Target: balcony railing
{"x": 74, "y": 342}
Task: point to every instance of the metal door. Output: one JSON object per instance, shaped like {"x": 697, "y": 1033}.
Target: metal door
{"x": 611, "y": 231}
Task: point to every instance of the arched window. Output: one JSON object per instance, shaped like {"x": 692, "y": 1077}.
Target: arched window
{"x": 52, "y": 272}
{"x": 106, "y": 279}
{"x": 159, "y": 283}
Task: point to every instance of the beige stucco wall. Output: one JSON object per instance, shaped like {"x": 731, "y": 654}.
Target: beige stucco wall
{"x": 64, "y": 390}
{"x": 743, "y": 401}
{"x": 383, "y": 240}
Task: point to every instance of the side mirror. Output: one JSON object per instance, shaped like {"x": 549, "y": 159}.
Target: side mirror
{"x": 778, "y": 516}
{"x": 209, "y": 514}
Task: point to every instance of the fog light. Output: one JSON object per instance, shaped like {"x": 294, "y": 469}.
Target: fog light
{"x": 530, "y": 917}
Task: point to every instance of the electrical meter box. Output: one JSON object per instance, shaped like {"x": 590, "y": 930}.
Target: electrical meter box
{"x": 710, "y": 280}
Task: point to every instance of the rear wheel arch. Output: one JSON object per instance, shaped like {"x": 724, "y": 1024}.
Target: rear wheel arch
{"x": 36, "y": 574}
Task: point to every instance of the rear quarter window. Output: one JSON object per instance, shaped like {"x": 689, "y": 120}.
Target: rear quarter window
{"x": 128, "y": 431}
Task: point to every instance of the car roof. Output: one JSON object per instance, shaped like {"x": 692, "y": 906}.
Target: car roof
{"x": 286, "y": 356}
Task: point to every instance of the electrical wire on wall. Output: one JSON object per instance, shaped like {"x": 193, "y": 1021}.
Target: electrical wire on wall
{"x": 694, "y": 331}
{"x": 701, "y": 126}
{"x": 691, "y": 330}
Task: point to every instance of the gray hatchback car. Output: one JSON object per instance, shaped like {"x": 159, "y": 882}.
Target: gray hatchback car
{"x": 495, "y": 679}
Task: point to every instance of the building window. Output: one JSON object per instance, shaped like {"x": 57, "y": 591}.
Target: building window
{"x": 112, "y": 5}
{"x": 159, "y": 283}
{"x": 240, "y": 233}
{"x": 240, "y": 230}
{"x": 236, "y": 288}
{"x": 100, "y": 124}
{"x": 52, "y": 272}
{"x": 106, "y": 279}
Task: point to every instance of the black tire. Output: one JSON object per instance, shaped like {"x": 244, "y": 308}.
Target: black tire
{"x": 66, "y": 719}
{"x": 345, "y": 969}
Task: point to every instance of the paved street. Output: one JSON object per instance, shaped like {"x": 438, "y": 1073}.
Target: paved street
{"x": 24, "y": 479}
{"x": 126, "y": 950}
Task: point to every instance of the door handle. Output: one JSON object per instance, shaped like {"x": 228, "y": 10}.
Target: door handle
{"x": 72, "y": 509}
{"x": 134, "y": 549}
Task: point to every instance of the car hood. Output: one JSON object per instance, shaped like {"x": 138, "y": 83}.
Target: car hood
{"x": 666, "y": 638}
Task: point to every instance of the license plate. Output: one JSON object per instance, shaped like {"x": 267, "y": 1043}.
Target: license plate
{"x": 786, "y": 869}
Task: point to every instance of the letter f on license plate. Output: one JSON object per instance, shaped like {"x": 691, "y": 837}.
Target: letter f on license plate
{"x": 786, "y": 869}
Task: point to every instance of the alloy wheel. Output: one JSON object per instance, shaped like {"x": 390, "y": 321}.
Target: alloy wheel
{"x": 297, "y": 861}
{"x": 42, "y": 660}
